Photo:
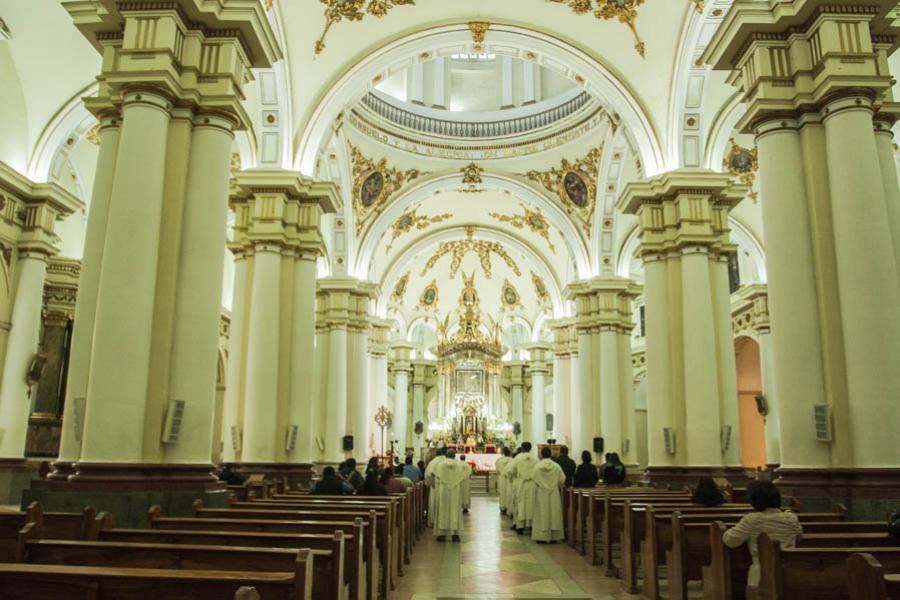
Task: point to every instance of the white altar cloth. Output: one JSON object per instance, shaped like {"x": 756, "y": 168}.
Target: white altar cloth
{"x": 483, "y": 462}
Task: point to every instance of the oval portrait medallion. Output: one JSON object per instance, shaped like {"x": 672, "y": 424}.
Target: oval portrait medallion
{"x": 510, "y": 295}
{"x": 742, "y": 162}
{"x": 576, "y": 189}
{"x": 371, "y": 189}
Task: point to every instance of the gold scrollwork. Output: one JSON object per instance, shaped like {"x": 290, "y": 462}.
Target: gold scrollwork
{"x": 625, "y": 11}
{"x": 459, "y": 248}
{"x": 743, "y": 163}
{"x": 354, "y": 10}
{"x": 509, "y": 296}
{"x": 471, "y": 178}
{"x": 540, "y": 289}
{"x": 575, "y": 183}
{"x": 429, "y": 298}
{"x": 409, "y": 220}
{"x": 533, "y": 219}
{"x": 699, "y": 5}
{"x": 400, "y": 289}
{"x": 373, "y": 184}
{"x": 478, "y": 29}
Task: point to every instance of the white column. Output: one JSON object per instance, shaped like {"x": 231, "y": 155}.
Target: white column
{"x": 417, "y": 85}
{"x": 401, "y": 401}
{"x": 21, "y": 345}
{"x": 439, "y": 99}
{"x": 88, "y": 285}
{"x": 793, "y": 305}
{"x": 336, "y": 396}
{"x": 868, "y": 284}
{"x": 562, "y": 398}
{"x": 582, "y": 404}
{"x": 123, "y": 329}
{"x": 418, "y": 414}
{"x": 379, "y": 387}
{"x": 518, "y": 408}
{"x": 529, "y": 83}
{"x": 358, "y": 398}
{"x": 261, "y": 395}
{"x": 303, "y": 367}
{"x": 626, "y": 399}
{"x": 884, "y": 139}
{"x": 727, "y": 368}
{"x": 234, "y": 379}
{"x": 767, "y": 372}
{"x": 538, "y": 404}
{"x": 575, "y": 443}
{"x": 198, "y": 300}
{"x": 660, "y": 413}
{"x": 610, "y": 401}
{"x": 506, "y": 80}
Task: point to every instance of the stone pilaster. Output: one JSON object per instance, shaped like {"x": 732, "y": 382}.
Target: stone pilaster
{"x": 515, "y": 377}
{"x": 402, "y": 372}
{"x": 562, "y": 380}
{"x": 691, "y": 379}
{"x": 379, "y": 349}
{"x": 539, "y": 369}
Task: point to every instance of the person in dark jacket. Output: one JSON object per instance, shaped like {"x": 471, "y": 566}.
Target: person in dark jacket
{"x": 371, "y": 486}
{"x": 586, "y": 475}
{"x": 614, "y": 471}
{"x": 707, "y": 493}
{"x": 351, "y": 475}
{"x": 231, "y": 477}
{"x": 331, "y": 484}
{"x": 566, "y": 464}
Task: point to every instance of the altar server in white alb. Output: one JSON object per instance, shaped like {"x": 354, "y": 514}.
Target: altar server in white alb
{"x": 549, "y": 479}
{"x": 449, "y": 477}
{"x": 502, "y": 487}
{"x": 522, "y": 471}
{"x": 432, "y": 485}
{"x": 466, "y": 485}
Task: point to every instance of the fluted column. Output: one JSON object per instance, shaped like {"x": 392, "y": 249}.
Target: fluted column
{"x": 418, "y": 407}
{"x": 88, "y": 284}
{"x": 867, "y": 280}
{"x": 661, "y": 394}
{"x": 335, "y": 398}
{"x": 232, "y": 408}
{"x": 124, "y": 317}
{"x": 582, "y": 403}
{"x": 21, "y": 346}
{"x": 562, "y": 383}
{"x": 198, "y": 302}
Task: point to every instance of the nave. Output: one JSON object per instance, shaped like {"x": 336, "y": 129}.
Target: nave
{"x": 493, "y": 562}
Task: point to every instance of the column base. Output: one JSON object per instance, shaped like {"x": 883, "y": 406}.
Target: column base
{"x": 127, "y": 490}
{"x": 681, "y": 477}
{"x": 296, "y": 474}
{"x": 868, "y": 494}
{"x": 15, "y": 473}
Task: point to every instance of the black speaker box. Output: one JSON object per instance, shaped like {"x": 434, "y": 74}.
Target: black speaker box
{"x": 598, "y": 445}
{"x": 348, "y": 443}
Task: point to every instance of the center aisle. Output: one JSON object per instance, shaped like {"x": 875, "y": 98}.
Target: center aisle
{"x": 493, "y": 562}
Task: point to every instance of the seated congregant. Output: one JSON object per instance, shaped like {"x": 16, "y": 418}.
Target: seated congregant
{"x": 707, "y": 493}
{"x": 410, "y": 470}
{"x": 586, "y": 475}
{"x": 330, "y": 484}
{"x": 230, "y": 476}
{"x": 371, "y": 486}
{"x": 350, "y": 474}
{"x": 767, "y": 517}
{"x": 614, "y": 470}
{"x": 566, "y": 464}
{"x": 391, "y": 483}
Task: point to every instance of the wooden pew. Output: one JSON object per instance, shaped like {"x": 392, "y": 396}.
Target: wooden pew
{"x": 866, "y": 579}
{"x": 387, "y": 548}
{"x": 62, "y": 525}
{"x": 55, "y": 582}
{"x": 376, "y": 588}
{"x": 355, "y": 573}
{"x": 809, "y": 573}
{"x": 328, "y": 564}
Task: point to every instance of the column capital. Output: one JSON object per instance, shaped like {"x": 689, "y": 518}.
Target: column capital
{"x": 684, "y": 208}
{"x": 795, "y": 56}
{"x": 603, "y": 302}
{"x": 343, "y": 303}
{"x": 562, "y": 330}
{"x": 402, "y": 351}
{"x": 750, "y": 309}
{"x": 199, "y": 54}
{"x": 379, "y": 334}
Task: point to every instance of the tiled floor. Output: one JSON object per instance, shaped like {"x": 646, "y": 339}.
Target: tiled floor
{"x": 492, "y": 562}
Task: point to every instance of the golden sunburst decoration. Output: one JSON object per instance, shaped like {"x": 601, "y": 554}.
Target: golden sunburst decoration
{"x": 533, "y": 219}
{"x": 373, "y": 185}
{"x": 471, "y": 178}
{"x": 575, "y": 183}
{"x": 409, "y": 220}
{"x": 625, "y": 11}
{"x": 743, "y": 163}
{"x": 478, "y": 29}
{"x": 459, "y": 248}
{"x": 354, "y": 10}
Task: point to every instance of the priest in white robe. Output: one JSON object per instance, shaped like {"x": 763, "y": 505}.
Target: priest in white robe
{"x": 432, "y": 484}
{"x": 466, "y": 486}
{"x": 549, "y": 479}
{"x": 502, "y": 487}
{"x": 449, "y": 476}
{"x": 521, "y": 473}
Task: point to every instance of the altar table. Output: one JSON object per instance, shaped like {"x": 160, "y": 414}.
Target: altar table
{"x": 483, "y": 462}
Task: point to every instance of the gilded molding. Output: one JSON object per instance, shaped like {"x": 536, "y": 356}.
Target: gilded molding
{"x": 533, "y": 219}
{"x": 373, "y": 184}
{"x": 409, "y": 220}
{"x": 459, "y": 248}
{"x": 472, "y": 178}
{"x": 428, "y": 299}
{"x": 353, "y": 10}
{"x": 575, "y": 183}
{"x": 510, "y": 299}
{"x": 540, "y": 289}
{"x": 699, "y": 5}
{"x": 478, "y": 29}
{"x": 625, "y": 11}
{"x": 743, "y": 163}
{"x": 400, "y": 289}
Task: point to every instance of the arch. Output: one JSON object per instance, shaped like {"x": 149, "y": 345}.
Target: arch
{"x": 436, "y": 236}
{"x": 752, "y": 424}
{"x": 421, "y": 192}
{"x": 513, "y": 40}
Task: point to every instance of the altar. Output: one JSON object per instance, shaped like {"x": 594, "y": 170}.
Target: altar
{"x": 483, "y": 462}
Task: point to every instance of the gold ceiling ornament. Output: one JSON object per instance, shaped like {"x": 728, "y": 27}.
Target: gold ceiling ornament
{"x": 409, "y": 220}
{"x": 354, "y": 10}
{"x": 428, "y": 300}
{"x": 471, "y": 178}
{"x": 625, "y": 11}
{"x": 469, "y": 337}
{"x": 699, "y": 5}
{"x": 509, "y": 296}
{"x": 400, "y": 289}
{"x": 478, "y": 29}
{"x": 483, "y": 248}
{"x": 93, "y": 135}
{"x": 269, "y": 4}
{"x": 373, "y": 185}
{"x": 576, "y": 185}
{"x": 540, "y": 289}
{"x": 533, "y": 219}
{"x": 743, "y": 163}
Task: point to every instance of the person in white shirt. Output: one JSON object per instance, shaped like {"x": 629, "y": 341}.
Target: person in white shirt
{"x": 767, "y": 517}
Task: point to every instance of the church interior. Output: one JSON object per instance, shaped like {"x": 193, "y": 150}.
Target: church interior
{"x": 662, "y": 233}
